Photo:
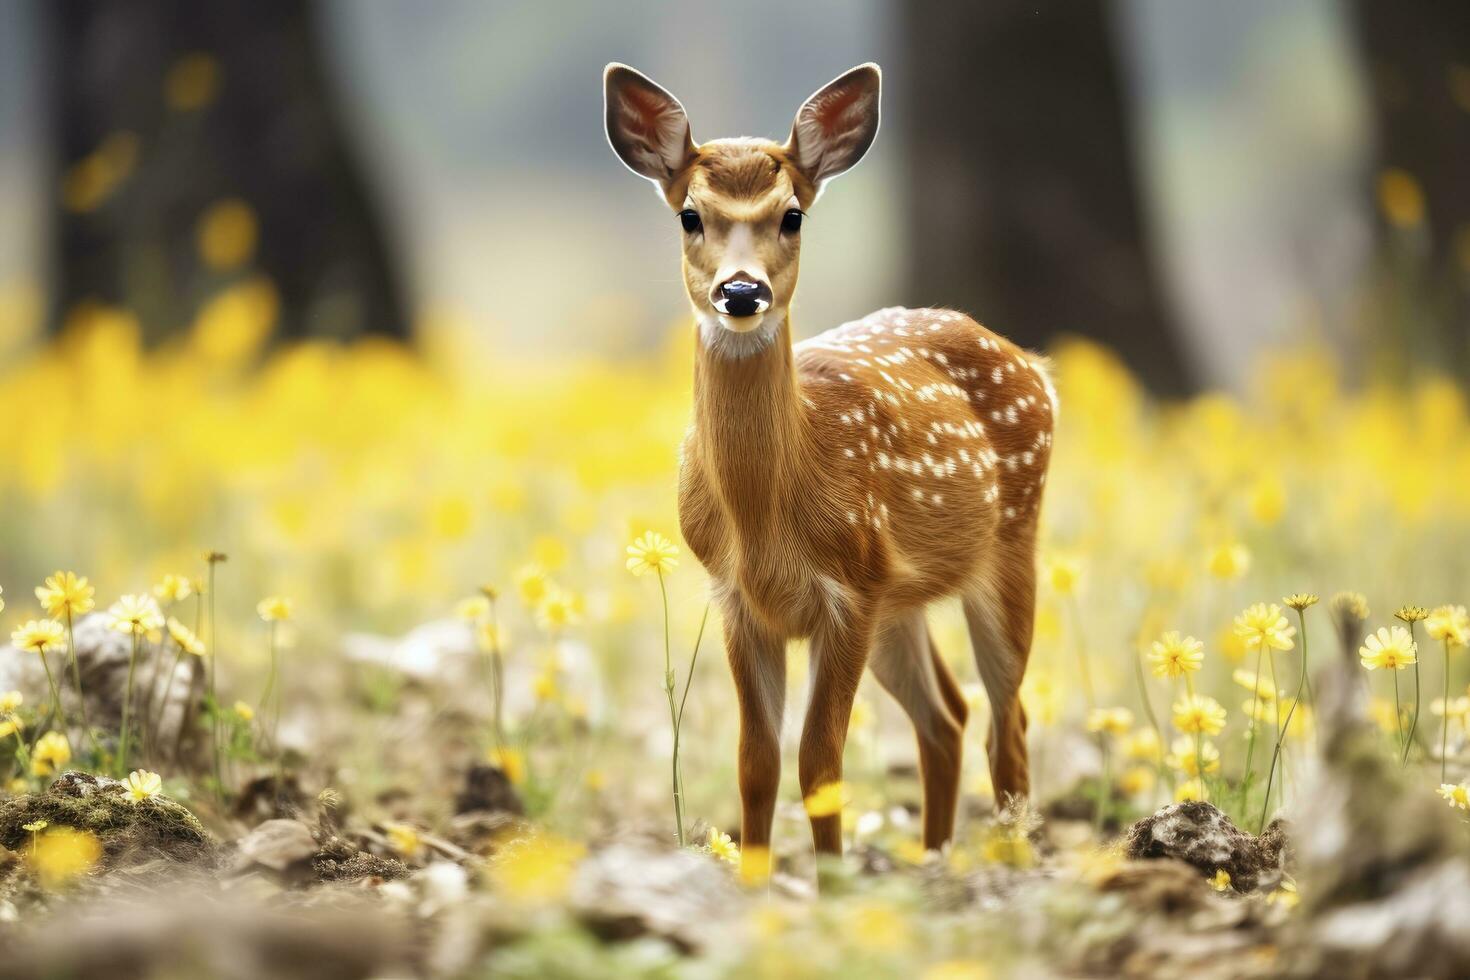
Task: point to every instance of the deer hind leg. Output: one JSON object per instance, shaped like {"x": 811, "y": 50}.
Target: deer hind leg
{"x": 909, "y": 668}
{"x": 1000, "y": 618}
{"x": 839, "y": 654}
{"x": 758, "y": 665}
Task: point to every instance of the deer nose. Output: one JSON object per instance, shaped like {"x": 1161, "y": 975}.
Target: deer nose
{"x": 743, "y": 297}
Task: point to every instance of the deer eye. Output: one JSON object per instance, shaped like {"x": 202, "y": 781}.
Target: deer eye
{"x": 791, "y": 221}
{"x": 689, "y": 218}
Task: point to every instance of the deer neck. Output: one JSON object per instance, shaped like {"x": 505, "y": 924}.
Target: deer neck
{"x": 750, "y": 422}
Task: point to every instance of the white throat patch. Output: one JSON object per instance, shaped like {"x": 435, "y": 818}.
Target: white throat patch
{"x": 723, "y": 342}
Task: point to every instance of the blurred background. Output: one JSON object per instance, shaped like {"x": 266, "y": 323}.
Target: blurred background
{"x": 1187, "y": 182}
{"x": 357, "y": 292}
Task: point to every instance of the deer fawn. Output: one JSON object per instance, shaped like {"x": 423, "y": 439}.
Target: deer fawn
{"x": 834, "y": 488}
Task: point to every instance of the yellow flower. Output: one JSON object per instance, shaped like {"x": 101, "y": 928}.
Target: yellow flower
{"x": 405, "y": 839}
{"x": 1221, "y": 881}
{"x": 1186, "y": 757}
{"x": 512, "y": 762}
{"x": 1199, "y": 714}
{"x": 1228, "y": 562}
{"x": 1286, "y": 895}
{"x": 533, "y": 584}
{"x": 1259, "y": 686}
{"x": 35, "y": 826}
{"x": 1456, "y": 795}
{"x": 1009, "y": 846}
{"x": 1382, "y": 713}
{"x": 1301, "y": 600}
{"x": 274, "y": 609}
{"x": 1142, "y": 744}
{"x": 1136, "y": 780}
{"x": 1353, "y": 604}
{"x": 755, "y": 865}
{"x": 10, "y": 702}
{"x": 1263, "y": 626}
{"x": 1111, "y": 721}
{"x": 1064, "y": 572}
{"x": 10, "y": 725}
{"x": 558, "y": 610}
{"x": 65, "y": 593}
{"x": 1449, "y": 624}
{"x": 473, "y": 609}
{"x": 61, "y": 854}
{"x": 1394, "y": 650}
{"x": 722, "y": 847}
{"x": 877, "y": 925}
{"x": 1174, "y": 655}
{"x": 545, "y": 686}
{"x": 956, "y": 970}
{"x": 1411, "y": 614}
{"x": 185, "y": 638}
{"x": 136, "y": 615}
{"x": 538, "y": 868}
{"x": 173, "y": 588}
{"x": 826, "y": 800}
{"x": 52, "y": 752}
{"x": 1189, "y": 790}
{"x": 244, "y": 712}
{"x": 39, "y": 636}
{"x": 652, "y": 553}
{"x": 143, "y": 785}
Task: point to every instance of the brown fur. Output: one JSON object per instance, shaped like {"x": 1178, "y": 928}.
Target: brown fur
{"x": 834, "y": 488}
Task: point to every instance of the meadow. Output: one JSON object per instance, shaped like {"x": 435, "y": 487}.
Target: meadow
{"x": 395, "y": 591}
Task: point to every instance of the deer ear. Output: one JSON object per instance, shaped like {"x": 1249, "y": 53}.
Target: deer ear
{"x": 646, "y": 126}
{"x": 835, "y": 127}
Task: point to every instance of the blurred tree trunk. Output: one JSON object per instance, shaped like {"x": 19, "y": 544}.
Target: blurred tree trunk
{"x": 1024, "y": 189}
{"x": 199, "y": 148}
{"x": 1417, "y": 57}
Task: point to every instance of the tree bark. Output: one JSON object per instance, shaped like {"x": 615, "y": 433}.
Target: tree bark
{"x": 163, "y": 109}
{"x": 1417, "y": 61}
{"x": 1024, "y": 190}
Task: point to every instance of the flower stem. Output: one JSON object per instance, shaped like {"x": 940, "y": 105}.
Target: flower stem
{"x": 1148, "y": 707}
{"x": 1250, "y": 745}
{"x": 219, "y": 783}
{"x": 497, "y": 679}
{"x": 1414, "y": 723}
{"x": 1444, "y": 729}
{"x": 127, "y": 712}
{"x": 673, "y": 714}
{"x": 76, "y": 676}
{"x": 1398, "y": 713}
{"x": 1281, "y": 735}
{"x": 55, "y": 693}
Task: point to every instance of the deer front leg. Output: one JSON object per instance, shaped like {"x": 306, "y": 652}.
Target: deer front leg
{"x": 839, "y": 654}
{"x": 758, "y": 664}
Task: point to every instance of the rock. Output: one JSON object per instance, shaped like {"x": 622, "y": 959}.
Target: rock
{"x": 131, "y": 832}
{"x": 1385, "y": 872}
{"x": 488, "y": 789}
{"x": 339, "y": 860}
{"x": 1198, "y": 834}
{"x": 627, "y": 890}
{"x": 277, "y": 845}
{"x": 102, "y": 659}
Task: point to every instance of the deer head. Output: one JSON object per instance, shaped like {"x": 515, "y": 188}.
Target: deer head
{"x": 740, "y": 202}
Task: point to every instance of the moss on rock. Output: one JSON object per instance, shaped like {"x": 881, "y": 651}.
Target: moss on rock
{"x": 131, "y": 831}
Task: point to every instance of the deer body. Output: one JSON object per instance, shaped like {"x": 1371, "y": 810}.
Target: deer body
{"x": 834, "y": 488}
